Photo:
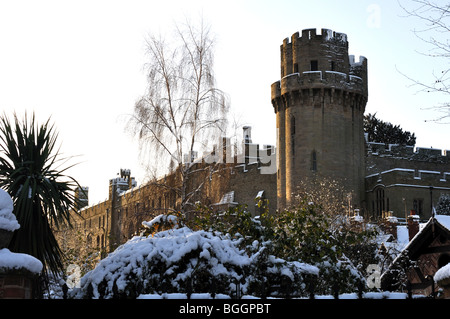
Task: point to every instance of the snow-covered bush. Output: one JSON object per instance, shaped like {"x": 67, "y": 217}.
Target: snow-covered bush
{"x": 187, "y": 261}
{"x": 443, "y": 275}
{"x": 19, "y": 262}
{"x": 8, "y": 220}
{"x": 11, "y": 261}
{"x": 307, "y": 233}
{"x": 291, "y": 253}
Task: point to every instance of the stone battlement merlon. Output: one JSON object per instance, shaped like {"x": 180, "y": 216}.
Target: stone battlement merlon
{"x": 322, "y": 59}
{"x": 311, "y": 34}
{"x": 408, "y": 152}
{"x": 361, "y": 61}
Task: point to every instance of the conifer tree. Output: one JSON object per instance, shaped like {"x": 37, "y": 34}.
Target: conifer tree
{"x": 385, "y": 132}
{"x": 443, "y": 205}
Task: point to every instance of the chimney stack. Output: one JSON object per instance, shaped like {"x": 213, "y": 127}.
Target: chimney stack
{"x": 413, "y": 224}
{"x": 247, "y": 134}
{"x": 390, "y": 223}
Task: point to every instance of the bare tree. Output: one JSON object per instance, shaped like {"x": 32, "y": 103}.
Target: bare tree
{"x": 182, "y": 111}
{"x": 435, "y": 30}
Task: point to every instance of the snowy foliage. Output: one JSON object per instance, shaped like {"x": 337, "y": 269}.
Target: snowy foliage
{"x": 10, "y": 260}
{"x": 186, "y": 261}
{"x": 443, "y": 274}
{"x": 8, "y": 220}
{"x": 293, "y": 253}
{"x": 443, "y": 206}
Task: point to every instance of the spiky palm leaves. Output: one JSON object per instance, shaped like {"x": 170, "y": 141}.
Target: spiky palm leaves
{"x": 43, "y": 196}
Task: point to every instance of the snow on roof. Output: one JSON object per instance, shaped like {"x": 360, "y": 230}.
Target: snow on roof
{"x": 260, "y": 194}
{"x": 442, "y": 274}
{"x": 444, "y": 220}
{"x": 403, "y": 234}
{"x": 161, "y": 219}
{"x": 228, "y": 198}
{"x": 403, "y": 243}
{"x": 10, "y": 260}
{"x": 8, "y": 220}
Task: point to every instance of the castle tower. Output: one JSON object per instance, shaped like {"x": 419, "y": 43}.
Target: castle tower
{"x": 319, "y": 105}
{"x": 81, "y": 197}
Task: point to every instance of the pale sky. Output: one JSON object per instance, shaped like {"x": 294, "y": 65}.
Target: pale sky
{"x": 81, "y": 63}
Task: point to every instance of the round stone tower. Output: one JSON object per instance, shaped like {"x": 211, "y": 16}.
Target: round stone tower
{"x": 319, "y": 105}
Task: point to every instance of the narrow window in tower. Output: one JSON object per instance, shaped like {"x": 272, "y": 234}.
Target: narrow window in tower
{"x": 314, "y": 65}
{"x": 292, "y": 125}
{"x": 333, "y": 66}
{"x": 295, "y": 67}
{"x": 292, "y": 145}
{"x": 292, "y": 129}
{"x": 314, "y": 161}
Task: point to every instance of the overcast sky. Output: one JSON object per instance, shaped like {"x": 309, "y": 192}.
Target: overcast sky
{"x": 81, "y": 63}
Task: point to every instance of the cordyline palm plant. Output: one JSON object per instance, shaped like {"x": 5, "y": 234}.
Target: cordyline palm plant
{"x": 43, "y": 196}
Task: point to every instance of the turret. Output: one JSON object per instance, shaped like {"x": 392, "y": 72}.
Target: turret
{"x": 81, "y": 197}
{"x": 319, "y": 104}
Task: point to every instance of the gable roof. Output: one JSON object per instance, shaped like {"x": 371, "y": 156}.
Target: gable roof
{"x": 439, "y": 223}
{"x": 435, "y": 226}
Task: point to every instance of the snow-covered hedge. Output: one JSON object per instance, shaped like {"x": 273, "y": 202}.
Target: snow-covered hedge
{"x": 443, "y": 275}
{"x": 184, "y": 261}
{"x": 8, "y": 220}
{"x": 10, "y": 260}
{"x": 17, "y": 261}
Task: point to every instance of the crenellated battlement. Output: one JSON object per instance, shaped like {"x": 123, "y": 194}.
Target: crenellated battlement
{"x": 362, "y": 60}
{"x": 312, "y": 35}
{"x": 318, "y": 79}
{"x": 310, "y": 60}
{"x": 408, "y": 152}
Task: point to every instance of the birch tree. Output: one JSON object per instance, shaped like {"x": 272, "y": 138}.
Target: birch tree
{"x": 433, "y": 29}
{"x": 182, "y": 110}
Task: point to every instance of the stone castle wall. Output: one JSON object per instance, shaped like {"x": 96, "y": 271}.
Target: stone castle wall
{"x": 115, "y": 220}
{"x": 402, "y": 179}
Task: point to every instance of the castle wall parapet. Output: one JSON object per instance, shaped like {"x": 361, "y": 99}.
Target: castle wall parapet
{"x": 410, "y": 178}
{"x": 408, "y": 152}
{"x": 317, "y": 79}
{"x": 321, "y": 60}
